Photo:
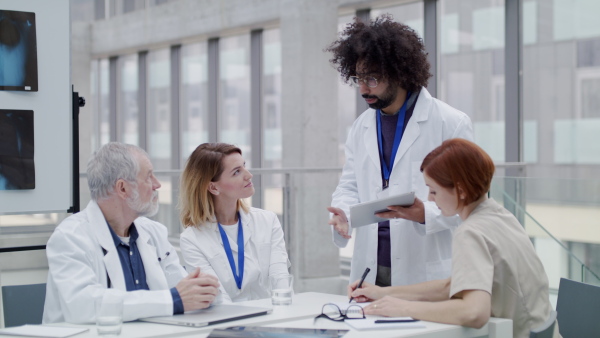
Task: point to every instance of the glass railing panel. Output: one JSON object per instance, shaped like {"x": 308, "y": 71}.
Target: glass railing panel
{"x": 565, "y": 232}
{"x": 561, "y": 219}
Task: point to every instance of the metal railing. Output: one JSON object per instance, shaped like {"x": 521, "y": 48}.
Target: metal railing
{"x": 278, "y": 188}
{"x": 584, "y": 268}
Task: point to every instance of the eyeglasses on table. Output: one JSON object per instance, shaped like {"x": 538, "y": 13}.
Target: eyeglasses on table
{"x": 333, "y": 312}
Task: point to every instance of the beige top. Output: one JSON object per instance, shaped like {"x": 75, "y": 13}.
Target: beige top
{"x": 492, "y": 253}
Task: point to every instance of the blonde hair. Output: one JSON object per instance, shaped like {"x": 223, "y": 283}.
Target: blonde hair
{"x": 204, "y": 165}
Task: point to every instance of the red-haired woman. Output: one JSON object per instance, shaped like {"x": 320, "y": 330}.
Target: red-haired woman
{"x": 495, "y": 270}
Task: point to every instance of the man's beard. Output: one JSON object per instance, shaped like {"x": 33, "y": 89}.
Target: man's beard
{"x": 147, "y": 209}
{"x": 383, "y": 101}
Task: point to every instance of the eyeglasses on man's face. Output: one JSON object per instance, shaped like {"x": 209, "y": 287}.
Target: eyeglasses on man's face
{"x": 333, "y": 312}
{"x": 370, "y": 81}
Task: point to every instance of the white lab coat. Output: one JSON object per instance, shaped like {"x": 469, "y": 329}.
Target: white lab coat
{"x": 264, "y": 254}
{"x": 419, "y": 252}
{"x": 78, "y": 269}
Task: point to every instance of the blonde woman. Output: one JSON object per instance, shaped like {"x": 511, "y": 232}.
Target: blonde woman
{"x": 241, "y": 246}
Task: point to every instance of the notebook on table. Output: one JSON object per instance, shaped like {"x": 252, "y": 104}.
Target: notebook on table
{"x": 213, "y": 315}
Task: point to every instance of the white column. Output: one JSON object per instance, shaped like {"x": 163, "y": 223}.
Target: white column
{"x": 309, "y": 122}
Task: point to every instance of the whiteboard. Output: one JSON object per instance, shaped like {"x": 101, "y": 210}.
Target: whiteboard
{"x": 51, "y": 104}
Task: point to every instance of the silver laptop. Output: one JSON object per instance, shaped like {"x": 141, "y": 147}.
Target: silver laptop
{"x": 213, "y": 315}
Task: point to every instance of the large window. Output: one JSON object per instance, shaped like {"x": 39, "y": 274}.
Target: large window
{"x": 561, "y": 77}
{"x": 193, "y": 98}
{"x": 575, "y": 65}
{"x": 158, "y": 132}
{"x": 472, "y": 67}
{"x": 103, "y": 104}
{"x": 271, "y": 120}
{"x": 271, "y": 99}
{"x": 234, "y": 93}
{"x": 127, "y": 99}
{"x": 159, "y": 108}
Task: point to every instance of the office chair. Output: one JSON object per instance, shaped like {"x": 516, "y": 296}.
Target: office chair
{"x": 23, "y": 304}
{"x": 546, "y": 330}
{"x": 578, "y": 306}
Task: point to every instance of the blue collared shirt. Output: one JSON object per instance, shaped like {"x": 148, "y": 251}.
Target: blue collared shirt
{"x": 133, "y": 266}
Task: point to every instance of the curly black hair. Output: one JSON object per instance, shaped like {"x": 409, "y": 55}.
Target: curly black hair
{"x": 387, "y": 48}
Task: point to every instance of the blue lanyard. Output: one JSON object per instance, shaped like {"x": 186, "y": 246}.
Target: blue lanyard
{"x": 387, "y": 169}
{"x": 240, "y": 241}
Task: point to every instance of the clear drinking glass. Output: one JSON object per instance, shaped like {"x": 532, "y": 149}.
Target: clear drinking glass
{"x": 282, "y": 289}
{"x": 109, "y": 314}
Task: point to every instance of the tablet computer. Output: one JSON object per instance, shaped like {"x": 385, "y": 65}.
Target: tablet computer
{"x": 364, "y": 213}
{"x": 281, "y": 332}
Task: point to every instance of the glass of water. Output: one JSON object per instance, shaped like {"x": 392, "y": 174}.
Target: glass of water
{"x": 109, "y": 314}
{"x": 282, "y": 289}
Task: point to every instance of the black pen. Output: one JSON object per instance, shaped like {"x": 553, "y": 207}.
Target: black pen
{"x": 384, "y": 321}
{"x": 362, "y": 279}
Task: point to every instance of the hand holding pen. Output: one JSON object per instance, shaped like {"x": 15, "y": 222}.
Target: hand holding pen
{"x": 360, "y": 283}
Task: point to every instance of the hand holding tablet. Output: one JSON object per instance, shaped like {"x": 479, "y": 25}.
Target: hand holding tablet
{"x": 364, "y": 213}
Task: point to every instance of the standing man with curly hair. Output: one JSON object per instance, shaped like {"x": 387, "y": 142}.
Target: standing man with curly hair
{"x": 387, "y": 61}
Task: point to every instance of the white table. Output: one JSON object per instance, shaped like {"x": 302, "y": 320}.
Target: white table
{"x": 300, "y": 314}
{"x": 308, "y": 305}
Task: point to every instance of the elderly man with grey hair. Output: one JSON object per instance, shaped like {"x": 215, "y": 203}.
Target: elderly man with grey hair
{"x": 111, "y": 248}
